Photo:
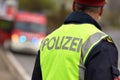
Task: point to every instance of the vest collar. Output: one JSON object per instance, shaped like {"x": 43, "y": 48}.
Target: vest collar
{"x": 79, "y": 18}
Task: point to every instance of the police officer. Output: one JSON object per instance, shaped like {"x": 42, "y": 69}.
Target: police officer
{"x": 78, "y": 50}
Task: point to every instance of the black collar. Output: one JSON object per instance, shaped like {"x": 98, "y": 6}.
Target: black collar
{"x": 79, "y": 18}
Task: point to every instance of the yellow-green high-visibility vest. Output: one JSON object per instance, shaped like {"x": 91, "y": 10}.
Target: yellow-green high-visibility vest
{"x": 63, "y": 52}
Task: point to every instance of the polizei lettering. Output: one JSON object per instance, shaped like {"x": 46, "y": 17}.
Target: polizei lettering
{"x": 63, "y": 43}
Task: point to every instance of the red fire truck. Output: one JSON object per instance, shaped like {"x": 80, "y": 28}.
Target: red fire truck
{"x": 28, "y": 32}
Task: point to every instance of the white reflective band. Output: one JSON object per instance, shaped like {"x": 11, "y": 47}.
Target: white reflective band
{"x": 91, "y": 41}
{"x": 81, "y": 70}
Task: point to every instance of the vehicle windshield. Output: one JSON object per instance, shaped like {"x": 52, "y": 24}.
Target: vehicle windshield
{"x": 30, "y": 27}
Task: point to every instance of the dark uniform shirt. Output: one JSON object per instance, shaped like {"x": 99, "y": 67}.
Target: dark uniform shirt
{"x": 102, "y": 61}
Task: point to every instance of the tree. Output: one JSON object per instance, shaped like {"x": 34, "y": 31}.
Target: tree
{"x": 36, "y": 5}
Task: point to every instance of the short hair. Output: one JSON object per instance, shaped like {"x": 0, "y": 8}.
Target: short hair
{"x": 84, "y": 8}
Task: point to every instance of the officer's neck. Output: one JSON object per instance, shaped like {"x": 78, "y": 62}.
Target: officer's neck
{"x": 95, "y": 16}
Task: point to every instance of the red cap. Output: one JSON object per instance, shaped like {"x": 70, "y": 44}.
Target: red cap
{"x": 91, "y": 2}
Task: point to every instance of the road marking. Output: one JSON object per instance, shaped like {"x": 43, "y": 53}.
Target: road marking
{"x": 12, "y": 62}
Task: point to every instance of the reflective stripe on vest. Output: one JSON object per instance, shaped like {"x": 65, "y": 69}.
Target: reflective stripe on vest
{"x": 63, "y": 53}
{"x": 91, "y": 41}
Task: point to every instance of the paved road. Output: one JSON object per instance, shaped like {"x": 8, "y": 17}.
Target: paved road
{"x": 27, "y": 61}
{"x": 10, "y": 68}
{"x": 5, "y": 73}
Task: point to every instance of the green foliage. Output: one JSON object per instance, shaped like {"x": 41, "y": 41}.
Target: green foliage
{"x": 36, "y": 5}
{"x": 58, "y": 18}
{"x": 49, "y": 4}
